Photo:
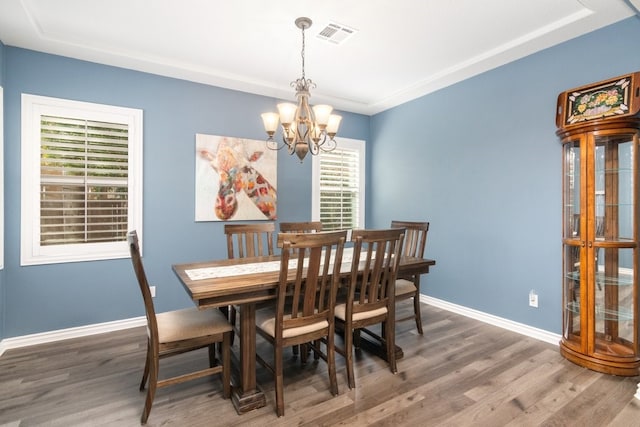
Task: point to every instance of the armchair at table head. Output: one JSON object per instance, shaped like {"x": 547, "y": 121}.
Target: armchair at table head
{"x": 175, "y": 332}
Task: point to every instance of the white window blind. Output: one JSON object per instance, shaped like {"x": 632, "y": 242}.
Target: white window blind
{"x": 339, "y": 190}
{"x": 339, "y": 198}
{"x": 83, "y": 181}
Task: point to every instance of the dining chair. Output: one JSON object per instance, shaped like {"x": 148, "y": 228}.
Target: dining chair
{"x": 304, "y": 309}
{"x": 370, "y": 295}
{"x": 247, "y": 240}
{"x": 176, "y": 332}
{"x": 299, "y": 227}
{"x": 407, "y": 287}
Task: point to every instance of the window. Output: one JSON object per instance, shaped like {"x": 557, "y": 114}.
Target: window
{"x": 338, "y": 186}
{"x": 81, "y": 180}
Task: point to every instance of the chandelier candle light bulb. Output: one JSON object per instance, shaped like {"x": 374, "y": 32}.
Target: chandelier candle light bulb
{"x": 304, "y": 129}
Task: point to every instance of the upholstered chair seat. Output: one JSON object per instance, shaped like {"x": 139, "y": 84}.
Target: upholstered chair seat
{"x": 190, "y": 323}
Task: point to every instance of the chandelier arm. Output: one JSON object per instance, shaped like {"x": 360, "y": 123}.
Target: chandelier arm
{"x": 291, "y": 147}
{"x": 272, "y": 144}
{"x": 322, "y": 140}
{"x": 328, "y": 144}
{"x": 314, "y": 149}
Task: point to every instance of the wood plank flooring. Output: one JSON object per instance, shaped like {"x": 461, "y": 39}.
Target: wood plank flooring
{"x": 460, "y": 373}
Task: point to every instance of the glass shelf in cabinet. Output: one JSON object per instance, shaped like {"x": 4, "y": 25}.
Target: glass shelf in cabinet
{"x": 573, "y": 275}
{"x": 574, "y": 307}
{"x": 602, "y": 205}
{"x": 601, "y": 279}
{"x": 613, "y": 170}
{"x": 622, "y": 280}
{"x": 621, "y": 240}
{"x": 621, "y": 314}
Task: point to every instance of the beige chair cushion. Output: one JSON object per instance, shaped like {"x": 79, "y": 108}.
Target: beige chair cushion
{"x": 341, "y": 312}
{"x": 404, "y": 286}
{"x": 266, "y": 320}
{"x": 190, "y": 323}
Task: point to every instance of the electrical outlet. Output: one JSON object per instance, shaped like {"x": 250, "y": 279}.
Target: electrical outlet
{"x": 533, "y": 299}
{"x": 153, "y": 291}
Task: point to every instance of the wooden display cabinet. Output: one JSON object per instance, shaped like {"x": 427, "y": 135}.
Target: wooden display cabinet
{"x": 599, "y": 126}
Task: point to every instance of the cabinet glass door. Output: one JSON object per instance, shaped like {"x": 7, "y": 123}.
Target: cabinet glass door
{"x": 572, "y": 243}
{"x": 612, "y": 237}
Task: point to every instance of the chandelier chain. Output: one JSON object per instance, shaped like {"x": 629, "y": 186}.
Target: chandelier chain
{"x": 302, "y": 53}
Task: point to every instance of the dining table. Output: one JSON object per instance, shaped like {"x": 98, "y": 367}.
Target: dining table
{"x": 245, "y": 282}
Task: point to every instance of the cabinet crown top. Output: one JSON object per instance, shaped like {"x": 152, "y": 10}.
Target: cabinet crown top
{"x": 604, "y": 100}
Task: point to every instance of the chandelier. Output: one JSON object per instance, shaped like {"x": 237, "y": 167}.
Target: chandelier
{"x": 305, "y": 129}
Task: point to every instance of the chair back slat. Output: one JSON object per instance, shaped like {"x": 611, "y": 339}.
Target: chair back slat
{"x": 307, "y": 292}
{"x": 249, "y": 240}
{"x": 376, "y": 257}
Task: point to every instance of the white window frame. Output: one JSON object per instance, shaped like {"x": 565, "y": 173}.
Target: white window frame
{"x": 344, "y": 144}
{"x": 33, "y": 107}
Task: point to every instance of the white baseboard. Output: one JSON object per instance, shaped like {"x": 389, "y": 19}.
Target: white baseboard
{"x": 520, "y": 328}
{"x": 63, "y": 334}
{"x": 99, "y": 328}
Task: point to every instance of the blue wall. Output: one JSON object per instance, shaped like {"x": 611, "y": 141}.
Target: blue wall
{"x": 480, "y": 160}
{"x": 51, "y": 297}
{"x": 2, "y": 295}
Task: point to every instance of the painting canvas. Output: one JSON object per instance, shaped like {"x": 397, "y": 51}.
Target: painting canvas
{"x": 236, "y": 179}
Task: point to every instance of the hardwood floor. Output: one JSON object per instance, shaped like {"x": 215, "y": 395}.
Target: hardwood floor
{"x": 460, "y": 373}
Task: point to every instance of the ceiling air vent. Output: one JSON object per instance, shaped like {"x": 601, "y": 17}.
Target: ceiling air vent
{"x": 336, "y": 33}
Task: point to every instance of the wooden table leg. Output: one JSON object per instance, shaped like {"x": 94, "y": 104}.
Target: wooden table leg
{"x": 247, "y": 396}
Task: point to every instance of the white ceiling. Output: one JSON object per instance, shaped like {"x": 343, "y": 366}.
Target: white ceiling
{"x": 403, "y": 49}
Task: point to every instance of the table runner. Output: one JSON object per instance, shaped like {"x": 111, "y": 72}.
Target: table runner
{"x": 253, "y": 268}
